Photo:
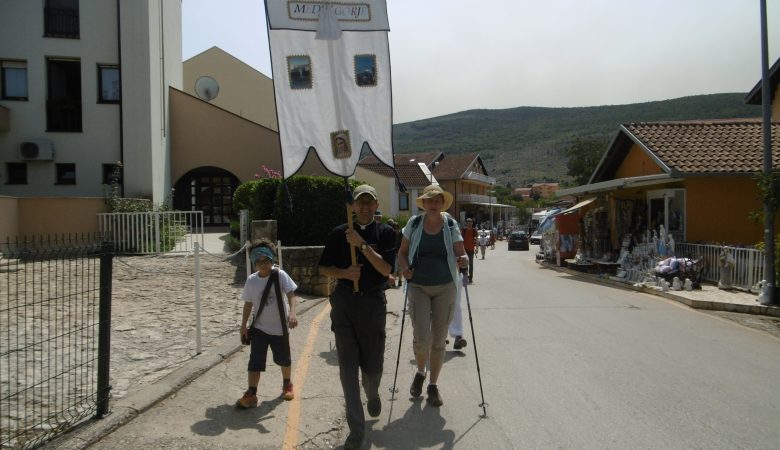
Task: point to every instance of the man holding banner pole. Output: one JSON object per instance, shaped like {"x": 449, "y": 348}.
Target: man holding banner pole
{"x": 358, "y": 316}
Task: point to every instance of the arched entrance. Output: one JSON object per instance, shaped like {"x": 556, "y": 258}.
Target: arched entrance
{"x": 207, "y": 189}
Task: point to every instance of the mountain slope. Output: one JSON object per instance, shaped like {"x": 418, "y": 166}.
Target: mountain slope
{"x": 527, "y": 144}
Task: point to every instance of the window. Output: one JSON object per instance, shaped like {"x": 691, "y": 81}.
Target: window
{"x": 17, "y": 173}
{"x": 13, "y": 80}
{"x": 108, "y": 84}
{"x": 61, "y": 19}
{"x": 66, "y": 174}
{"x": 63, "y": 106}
{"x": 112, "y": 173}
{"x": 403, "y": 201}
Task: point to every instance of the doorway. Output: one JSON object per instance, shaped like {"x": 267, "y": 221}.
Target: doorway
{"x": 667, "y": 207}
{"x": 207, "y": 189}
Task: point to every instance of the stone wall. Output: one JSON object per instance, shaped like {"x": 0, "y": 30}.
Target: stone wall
{"x": 302, "y": 263}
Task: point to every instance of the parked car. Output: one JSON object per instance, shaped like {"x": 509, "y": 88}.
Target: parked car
{"x": 518, "y": 240}
{"x": 536, "y": 237}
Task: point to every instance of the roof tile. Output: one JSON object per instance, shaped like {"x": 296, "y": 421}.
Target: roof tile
{"x": 711, "y": 146}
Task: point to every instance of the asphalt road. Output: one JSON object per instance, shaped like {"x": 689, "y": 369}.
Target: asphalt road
{"x": 564, "y": 364}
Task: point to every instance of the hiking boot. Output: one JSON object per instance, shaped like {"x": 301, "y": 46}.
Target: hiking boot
{"x": 287, "y": 391}
{"x": 354, "y": 441}
{"x": 434, "y": 399}
{"x": 416, "y": 389}
{"x": 374, "y": 407}
{"x": 459, "y": 343}
{"x": 249, "y": 400}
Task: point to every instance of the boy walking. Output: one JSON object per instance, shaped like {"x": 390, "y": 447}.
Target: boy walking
{"x": 272, "y": 317}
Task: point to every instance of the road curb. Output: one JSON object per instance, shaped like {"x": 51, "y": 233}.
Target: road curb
{"x": 128, "y": 408}
{"x": 756, "y": 309}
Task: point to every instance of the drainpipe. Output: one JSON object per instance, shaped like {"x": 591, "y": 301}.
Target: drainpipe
{"x": 121, "y": 100}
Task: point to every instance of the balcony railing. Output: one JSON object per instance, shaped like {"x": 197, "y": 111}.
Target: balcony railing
{"x": 61, "y": 23}
{"x": 476, "y": 198}
{"x": 475, "y": 176}
{"x": 63, "y": 115}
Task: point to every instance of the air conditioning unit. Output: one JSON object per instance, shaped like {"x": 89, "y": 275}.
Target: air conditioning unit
{"x": 41, "y": 150}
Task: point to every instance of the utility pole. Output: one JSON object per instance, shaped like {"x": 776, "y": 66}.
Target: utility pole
{"x": 768, "y": 297}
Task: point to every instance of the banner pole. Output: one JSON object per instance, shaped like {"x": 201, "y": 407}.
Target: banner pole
{"x": 352, "y": 254}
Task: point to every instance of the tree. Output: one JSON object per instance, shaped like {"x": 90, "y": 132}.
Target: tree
{"x": 583, "y": 156}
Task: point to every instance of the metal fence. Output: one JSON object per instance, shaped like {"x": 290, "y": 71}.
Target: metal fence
{"x": 153, "y": 231}
{"x": 55, "y": 309}
{"x": 748, "y": 269}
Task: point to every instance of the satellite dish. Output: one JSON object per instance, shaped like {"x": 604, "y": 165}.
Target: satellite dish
{"x": 207, "y": 88}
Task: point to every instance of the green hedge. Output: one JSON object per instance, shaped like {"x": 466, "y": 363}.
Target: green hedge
{"x": 318, "y": 206}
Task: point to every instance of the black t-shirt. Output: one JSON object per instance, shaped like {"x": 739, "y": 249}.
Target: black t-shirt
{"x": 380, "y": 237}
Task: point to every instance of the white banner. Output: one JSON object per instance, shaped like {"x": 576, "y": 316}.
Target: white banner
{"x": 332, "y": 96}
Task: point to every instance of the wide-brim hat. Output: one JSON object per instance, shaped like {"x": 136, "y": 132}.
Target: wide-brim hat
{"x": 432, "y": 191}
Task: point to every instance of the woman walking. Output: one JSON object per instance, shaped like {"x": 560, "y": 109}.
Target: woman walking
{"x": 430, "y": 256}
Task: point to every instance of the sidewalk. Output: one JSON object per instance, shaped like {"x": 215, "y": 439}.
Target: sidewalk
{"x": 709, "y": 297}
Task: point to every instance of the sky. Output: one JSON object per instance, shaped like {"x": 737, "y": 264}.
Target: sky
{"x": 452, "y": 55}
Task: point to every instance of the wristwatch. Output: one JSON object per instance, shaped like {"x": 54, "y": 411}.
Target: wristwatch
{"x": 363, "y": 246}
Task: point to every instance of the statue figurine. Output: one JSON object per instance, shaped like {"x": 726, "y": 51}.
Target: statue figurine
{"x": 670, "y": 245}
{"x": 726, "y": 263}
{"x": 688, "y": 284}
{"x": 654, "y": 242}
{"x": 676, "y": 284}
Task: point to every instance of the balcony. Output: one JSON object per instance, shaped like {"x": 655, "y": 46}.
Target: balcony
{"x": 63, "y": 115}
{"x": 5, "y": 118}
{"x": 476, "y": 199}
{"x": 62, "y": 23}
{"x": 474, "y": 176}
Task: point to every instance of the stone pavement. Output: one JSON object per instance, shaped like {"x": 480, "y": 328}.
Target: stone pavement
{"x": 153, "y": 344}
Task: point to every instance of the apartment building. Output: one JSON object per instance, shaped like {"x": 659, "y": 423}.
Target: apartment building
{"x": 85, "y": 84}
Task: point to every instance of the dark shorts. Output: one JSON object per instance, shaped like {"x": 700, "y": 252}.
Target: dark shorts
{"x": 280, "y": 348}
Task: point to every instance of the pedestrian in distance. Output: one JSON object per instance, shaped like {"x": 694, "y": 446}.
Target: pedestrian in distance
{"x": 430, "y": 258}
{"x": 470, "y": 244}
{"x": 273, "y": 315}
{"x": 482, "y": 239}
{"x": 358, "y": 312}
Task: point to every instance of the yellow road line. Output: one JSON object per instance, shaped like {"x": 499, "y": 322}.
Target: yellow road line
{"x": 301, "y": 369}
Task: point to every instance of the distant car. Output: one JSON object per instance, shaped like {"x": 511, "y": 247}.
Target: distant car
{"x": 536, "y": 238}
{"x": 518, "y": 240}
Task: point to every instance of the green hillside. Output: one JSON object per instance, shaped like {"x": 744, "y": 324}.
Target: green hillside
{"x": 528, "y": 144}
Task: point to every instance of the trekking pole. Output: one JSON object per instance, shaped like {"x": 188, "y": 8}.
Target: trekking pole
{"x": 393, "y": 389}
{"x": 482, "y": 405}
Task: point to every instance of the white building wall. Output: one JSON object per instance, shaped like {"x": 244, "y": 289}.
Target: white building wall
{"x": 148, "y": 68}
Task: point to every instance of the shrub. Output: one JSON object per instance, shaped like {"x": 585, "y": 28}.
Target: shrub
{"x": 318, "y": 206}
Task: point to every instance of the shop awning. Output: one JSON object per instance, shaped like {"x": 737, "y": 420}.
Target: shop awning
{"x": 620, "y": 183}
{"x": 579, "y": 205}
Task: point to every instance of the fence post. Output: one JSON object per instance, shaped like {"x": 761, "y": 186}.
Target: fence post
{"x": 104, "y": 329}
{"x": 156, "y": 217}
{"x": 197, "y": 299}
